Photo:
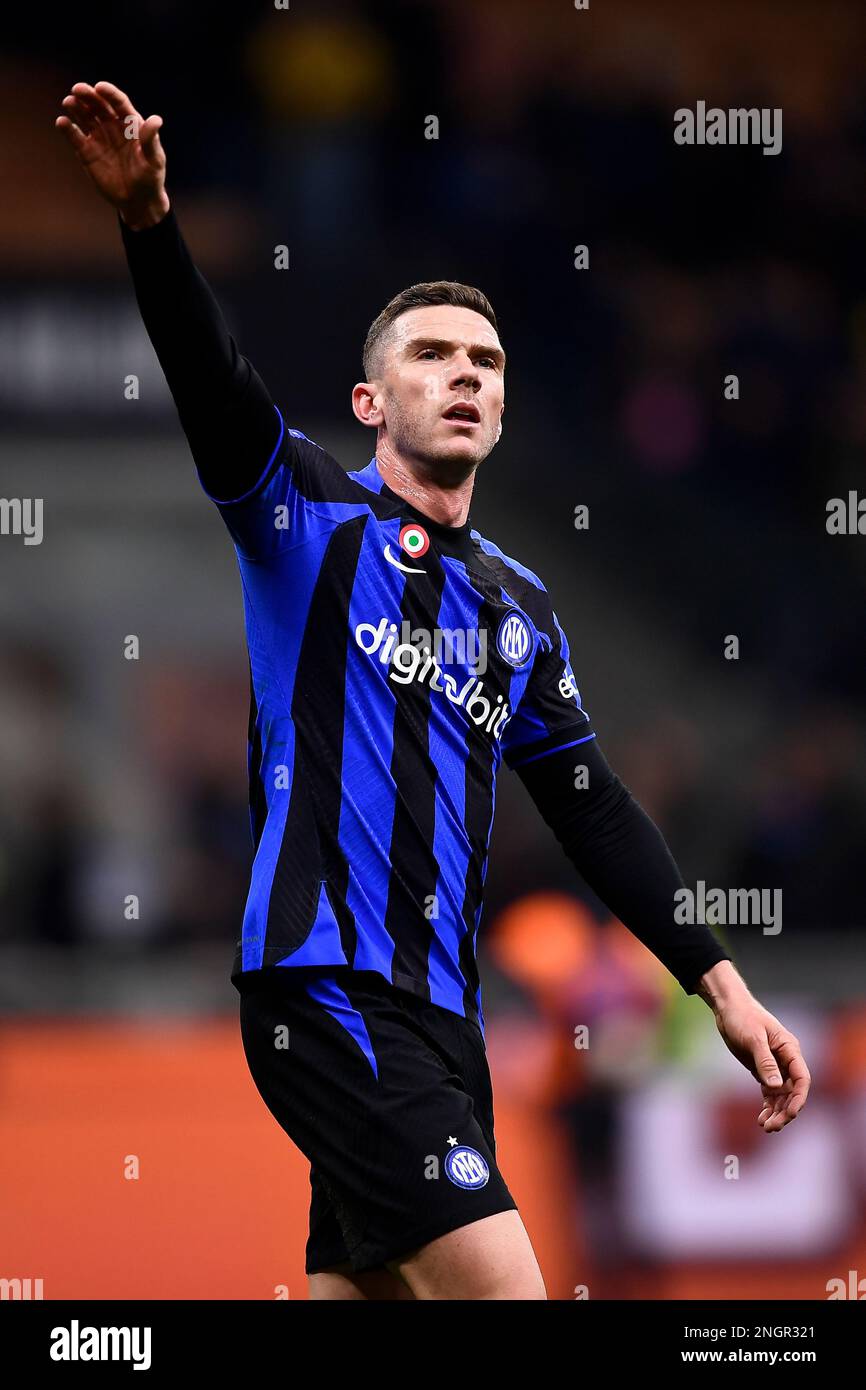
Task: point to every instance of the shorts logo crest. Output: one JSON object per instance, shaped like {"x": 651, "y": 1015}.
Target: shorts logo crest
{"x": 466, "y": 1168}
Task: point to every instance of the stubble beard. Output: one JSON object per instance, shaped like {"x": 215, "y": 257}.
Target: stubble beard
{"x": 440, "y": 461}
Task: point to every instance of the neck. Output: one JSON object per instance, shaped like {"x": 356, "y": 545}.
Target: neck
{"x": 446, "y": 501}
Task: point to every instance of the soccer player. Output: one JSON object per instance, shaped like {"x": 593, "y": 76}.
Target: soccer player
{"x": 373, "y": 754}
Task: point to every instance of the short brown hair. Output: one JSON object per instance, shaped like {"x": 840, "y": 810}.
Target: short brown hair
{"x": 417, "y": 297}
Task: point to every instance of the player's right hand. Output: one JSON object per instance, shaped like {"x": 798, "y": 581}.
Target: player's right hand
{"x": 120, "y": 151}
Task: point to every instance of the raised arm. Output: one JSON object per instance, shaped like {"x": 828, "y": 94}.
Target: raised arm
{"x": 225, "y": 409}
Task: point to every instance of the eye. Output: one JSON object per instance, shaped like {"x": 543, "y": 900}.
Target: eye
{"x": 426, "y": 351}
{"x": 488, "y": 360}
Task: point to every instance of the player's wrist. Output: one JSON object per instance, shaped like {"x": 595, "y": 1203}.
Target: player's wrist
{"x": 140, "y": 215}
{"x": 721, "y": 985}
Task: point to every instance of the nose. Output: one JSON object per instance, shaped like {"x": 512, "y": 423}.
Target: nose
{"x": 464, "y": 372}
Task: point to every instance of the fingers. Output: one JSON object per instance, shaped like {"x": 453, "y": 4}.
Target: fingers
{"x": 766, "y": 1067}
{"x": 94, "y": 99}
{"x": 101, "y": 108}
{"x": 118, "y": 101}
{"x": 78, "y": 112}
{"x": 774, "y": 1114}
{"x": 75, "y": 136}
{"x": 772, "y": 1102}
{"x": 798, "y": 1072}
{"x": 149, "y": 136}
{"x": 784, "y": 1104}
{"x": 89, "y": 101}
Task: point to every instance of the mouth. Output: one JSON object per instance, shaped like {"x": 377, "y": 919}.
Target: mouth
{"x": 463, "y": 413}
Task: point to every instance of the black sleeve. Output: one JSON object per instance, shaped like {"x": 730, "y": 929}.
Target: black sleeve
{"x": 621, "y": 854}
{"x": 225, "y": 409}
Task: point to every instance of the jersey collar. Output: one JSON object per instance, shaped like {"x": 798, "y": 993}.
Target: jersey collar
{"x": 450, "y": 540}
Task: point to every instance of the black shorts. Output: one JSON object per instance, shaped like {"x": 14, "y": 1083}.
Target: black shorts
{"x": 390, "y": 1099}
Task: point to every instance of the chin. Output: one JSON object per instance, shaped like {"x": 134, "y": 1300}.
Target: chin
{"x": 463, "y": 452}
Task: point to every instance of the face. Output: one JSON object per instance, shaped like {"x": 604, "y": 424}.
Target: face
{"x": 441, "y": 394}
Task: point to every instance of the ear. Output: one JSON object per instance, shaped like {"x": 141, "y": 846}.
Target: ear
{"x": 365, "y": 404}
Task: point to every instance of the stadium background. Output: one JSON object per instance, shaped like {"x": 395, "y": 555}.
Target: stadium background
{"x": 707, "y": 518}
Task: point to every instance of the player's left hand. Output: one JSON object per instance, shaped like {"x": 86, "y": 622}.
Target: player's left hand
{"x": 771, "y": 1053}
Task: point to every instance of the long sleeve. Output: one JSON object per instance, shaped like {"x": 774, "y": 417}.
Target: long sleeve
{"x": 226, "y": 411}
{"x": 622, "y": 855}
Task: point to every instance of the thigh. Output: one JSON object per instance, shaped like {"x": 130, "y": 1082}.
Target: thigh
{"x": 489, "y": 1259}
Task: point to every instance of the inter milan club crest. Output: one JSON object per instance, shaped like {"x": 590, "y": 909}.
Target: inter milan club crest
{"x": 466, "y": 1168}
{"x": 414, "y": 539}
{"x": 514, "y": 639}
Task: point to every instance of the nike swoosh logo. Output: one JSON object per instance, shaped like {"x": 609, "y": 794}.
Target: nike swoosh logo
{"x": 407, "y": 569}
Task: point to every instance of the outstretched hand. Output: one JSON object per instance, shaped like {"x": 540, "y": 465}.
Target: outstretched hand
{"x": 120, "y": 151}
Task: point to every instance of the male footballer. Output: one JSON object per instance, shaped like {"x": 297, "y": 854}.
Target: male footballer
{"x": 373, "y": 759}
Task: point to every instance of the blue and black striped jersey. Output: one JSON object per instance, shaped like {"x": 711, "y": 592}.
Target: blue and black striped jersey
{"x": 394, "y": 662}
